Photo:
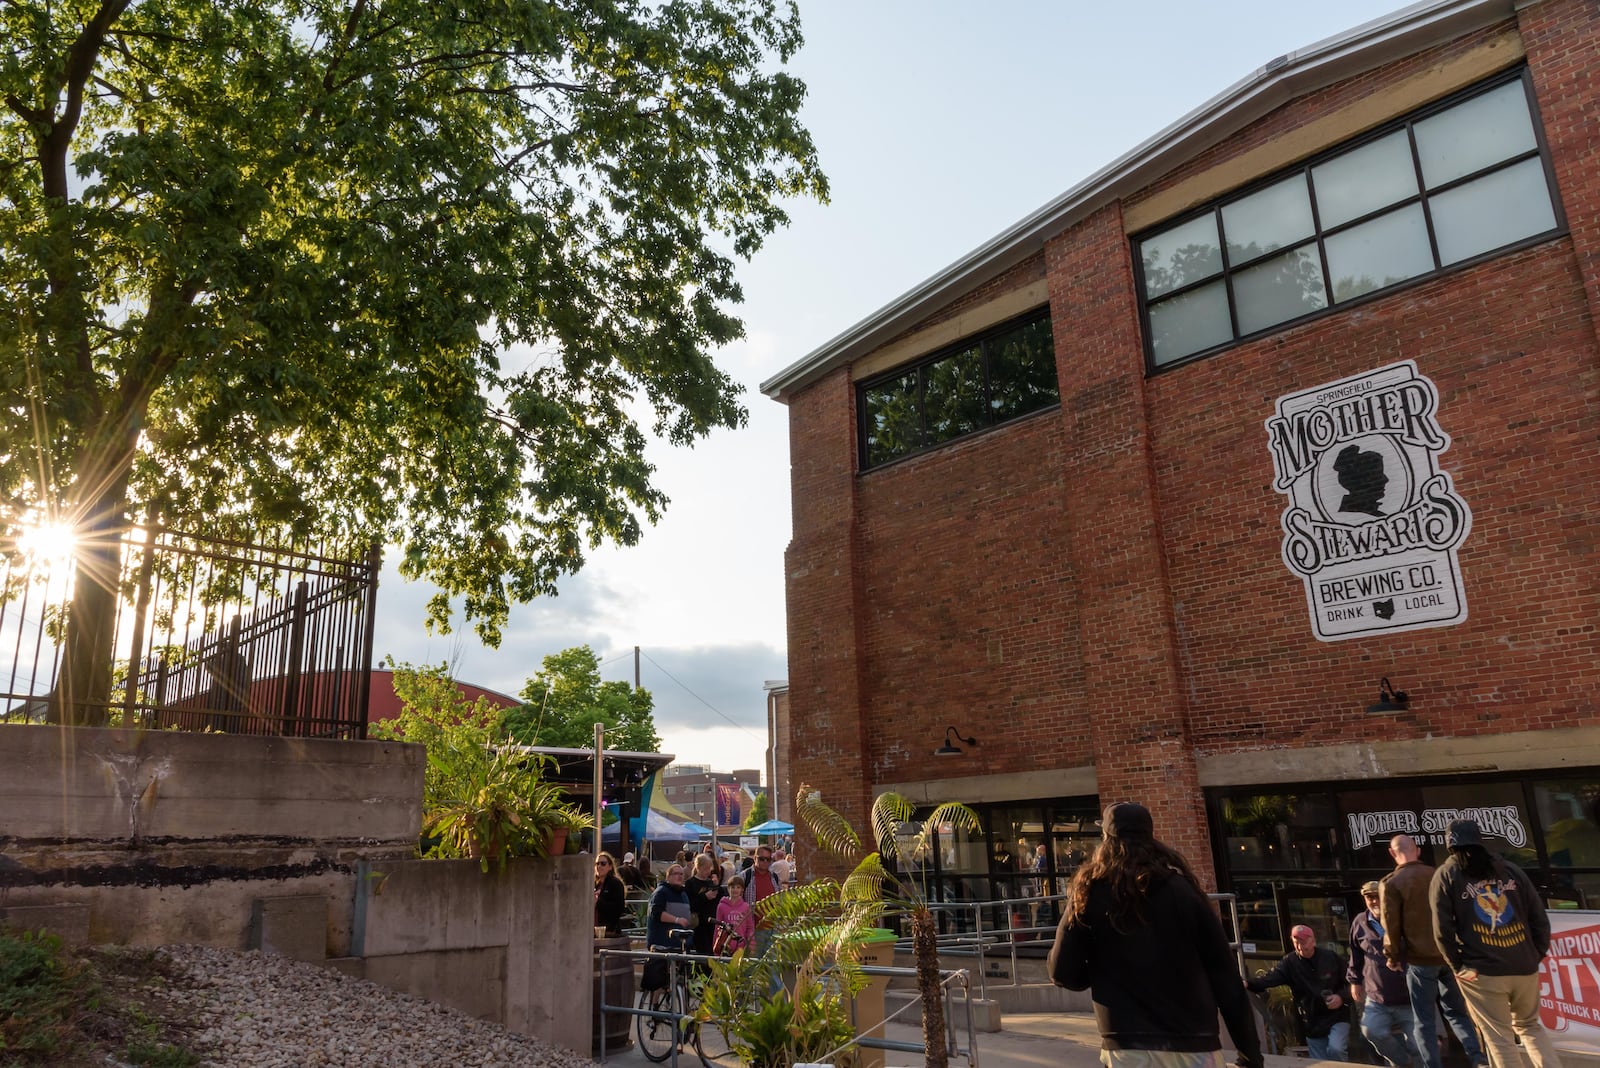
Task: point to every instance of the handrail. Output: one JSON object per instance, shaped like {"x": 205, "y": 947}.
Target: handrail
{"x": 980, "y": 941}
{"x": 946, "y": 977}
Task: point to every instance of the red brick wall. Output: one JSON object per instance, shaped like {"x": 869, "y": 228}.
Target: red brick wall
{"x": 1126, "y": 612}
{"x": 968, "y": 618}
{"x": 1104, "y": 581}
{"x": 826, "y": 710}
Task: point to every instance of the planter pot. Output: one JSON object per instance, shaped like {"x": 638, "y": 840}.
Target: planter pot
{"x": 558, "y": 841}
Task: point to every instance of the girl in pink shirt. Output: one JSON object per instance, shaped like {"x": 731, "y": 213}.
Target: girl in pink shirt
{"x": 736, "y": 912}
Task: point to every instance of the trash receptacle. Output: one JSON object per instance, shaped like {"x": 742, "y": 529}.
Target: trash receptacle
{"x": 877, "y": 951}
{"x": 616, "y": 983}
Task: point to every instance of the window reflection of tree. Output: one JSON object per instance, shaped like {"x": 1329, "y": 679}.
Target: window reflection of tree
{"x": 1022, "y": 371}
{"x": 1191, "y": 263}
{"x": 953, "y": 396}
{"x": 894, "y": 423}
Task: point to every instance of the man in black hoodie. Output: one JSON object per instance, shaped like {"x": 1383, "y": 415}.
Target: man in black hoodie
{"x": 1492, "y": 928}
{"x": 1140, "y": 934}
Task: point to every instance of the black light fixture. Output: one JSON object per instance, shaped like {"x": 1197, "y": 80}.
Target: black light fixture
{"x": 949, "y": 748}
{"x": 1389, "y": 700}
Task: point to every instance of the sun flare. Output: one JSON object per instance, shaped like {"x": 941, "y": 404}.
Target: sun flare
{"x": 48, "y": 543}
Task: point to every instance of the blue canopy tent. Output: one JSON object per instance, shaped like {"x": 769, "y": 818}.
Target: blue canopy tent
{"x": 770, "y": 828}
{"x": 696, "y": 830}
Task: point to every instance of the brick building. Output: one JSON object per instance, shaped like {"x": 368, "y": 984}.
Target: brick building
{"x": 1149, "y": 493}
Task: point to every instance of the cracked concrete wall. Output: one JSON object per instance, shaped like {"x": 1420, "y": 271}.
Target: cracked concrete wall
{"x": 170, "y": 836}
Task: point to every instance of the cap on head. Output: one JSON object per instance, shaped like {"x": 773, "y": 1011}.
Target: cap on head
{"x": 1127, "y": 819}
{"x": 1369, "y": 887}
{"x": 1464, "y": 833}
{"x": 627, "y": 858}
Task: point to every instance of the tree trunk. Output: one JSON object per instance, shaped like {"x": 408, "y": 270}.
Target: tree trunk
{"x": 83, "y": 690}
{"x": 925, "y": 951}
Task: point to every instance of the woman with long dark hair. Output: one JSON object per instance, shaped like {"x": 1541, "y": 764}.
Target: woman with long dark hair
{"x": 1139, "y": 934}
{"x": 610, "y": 895}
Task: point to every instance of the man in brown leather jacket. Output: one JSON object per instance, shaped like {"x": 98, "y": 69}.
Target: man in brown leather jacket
{"x": 1406, "y": 913}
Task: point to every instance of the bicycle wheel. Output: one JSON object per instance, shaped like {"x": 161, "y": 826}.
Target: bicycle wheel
{"x": 657, "y": 1036}
{"x": 711, "y": 1043}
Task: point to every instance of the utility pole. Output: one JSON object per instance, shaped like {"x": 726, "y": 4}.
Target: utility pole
{"x": 599, "y": 762}
{"x": 635, "y": 667}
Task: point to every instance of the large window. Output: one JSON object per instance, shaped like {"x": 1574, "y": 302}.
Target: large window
{"x": 999, "y": 375}
{"x": 1445, "y": 186}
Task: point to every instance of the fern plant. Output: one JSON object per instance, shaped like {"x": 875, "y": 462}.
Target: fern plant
{"x": 823, "y": 925}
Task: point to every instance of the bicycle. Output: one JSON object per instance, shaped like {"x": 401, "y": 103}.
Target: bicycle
{"x": 680, "y": 1000}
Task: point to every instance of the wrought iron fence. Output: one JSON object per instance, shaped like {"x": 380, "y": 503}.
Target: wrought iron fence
{"x": 210, "y": 634}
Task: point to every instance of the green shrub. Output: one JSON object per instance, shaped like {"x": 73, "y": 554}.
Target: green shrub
{"x": 40, "y": 993}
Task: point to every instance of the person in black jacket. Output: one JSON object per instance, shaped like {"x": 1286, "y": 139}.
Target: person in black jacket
{"x": 610, "y": 895}
{"x": 1315, "y": 977}
{"x": 1140, "y": 935}
{"x": 1492, "y": 927}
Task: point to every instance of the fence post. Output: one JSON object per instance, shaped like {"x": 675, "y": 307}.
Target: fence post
{"x": 141, "y": 613}
{"x": 364, "y": 660}
{"x": 297, "y": 652}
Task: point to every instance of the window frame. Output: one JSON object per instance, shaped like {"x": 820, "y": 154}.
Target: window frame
{"x": 1319, "y": 237}
{"x": 981, "y": 341}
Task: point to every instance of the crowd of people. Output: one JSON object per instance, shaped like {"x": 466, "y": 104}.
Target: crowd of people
{"x": 705, "y": 901}
{"x": 1464, "y": 940}
{"x": 1468, "y": 937}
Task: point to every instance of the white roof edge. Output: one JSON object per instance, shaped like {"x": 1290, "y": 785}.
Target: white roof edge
{"x": 1410, "y": 30}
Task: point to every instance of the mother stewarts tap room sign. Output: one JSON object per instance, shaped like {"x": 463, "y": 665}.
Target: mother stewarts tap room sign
{"x": 1372, "y": 523}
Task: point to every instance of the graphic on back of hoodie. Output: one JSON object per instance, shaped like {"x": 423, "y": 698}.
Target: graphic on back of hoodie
{"x": 1495, "y": 919}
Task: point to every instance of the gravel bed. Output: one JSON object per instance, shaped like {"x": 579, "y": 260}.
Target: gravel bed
{"x": 247, "y": 1010}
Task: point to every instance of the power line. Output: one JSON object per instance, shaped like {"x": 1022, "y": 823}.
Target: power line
{"x": 702, "y": 700}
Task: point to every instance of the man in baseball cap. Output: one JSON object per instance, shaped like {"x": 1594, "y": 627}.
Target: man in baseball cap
{"x": 1386, "y": 1018}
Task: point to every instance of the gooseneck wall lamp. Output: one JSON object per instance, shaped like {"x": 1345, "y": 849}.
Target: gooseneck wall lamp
{"x": 950, "y": 748}
{"x": 1389, "y": 700}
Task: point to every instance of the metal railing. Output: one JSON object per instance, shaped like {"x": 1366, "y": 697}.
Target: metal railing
{"x": 964, "y": 932}
{"x": 948, "y": 978}
{"x": 209, "y": 634}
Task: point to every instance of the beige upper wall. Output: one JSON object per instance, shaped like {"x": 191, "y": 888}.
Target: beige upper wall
{"x": 969, "y": 322}
{"x": 1304, "y": 141}
{"x": 1523, "y": 751}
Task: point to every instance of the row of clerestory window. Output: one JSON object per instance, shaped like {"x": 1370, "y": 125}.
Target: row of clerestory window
{"x": 986, "y": 379}
{"x": 1444, "y": 187}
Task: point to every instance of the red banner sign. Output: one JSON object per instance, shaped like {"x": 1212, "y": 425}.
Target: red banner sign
{"x": 1569, "y": 981}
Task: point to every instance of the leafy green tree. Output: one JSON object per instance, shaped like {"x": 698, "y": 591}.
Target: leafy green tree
{"x": 760, "y": 812}
{"x": 479, "y": 800}
{"x": 409, "y": 273}
{"x": 566, "y": 699}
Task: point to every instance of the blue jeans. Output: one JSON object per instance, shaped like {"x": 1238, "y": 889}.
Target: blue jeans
{"x": 1333, "y": 1046}
{"x": 1389, "y": 1028}
{"x": 1429, "y": 984}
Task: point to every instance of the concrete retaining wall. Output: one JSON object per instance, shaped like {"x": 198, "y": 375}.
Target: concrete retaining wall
{"x": 303, "y": 847}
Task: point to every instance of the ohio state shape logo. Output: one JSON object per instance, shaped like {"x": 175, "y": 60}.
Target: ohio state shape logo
{"x": 1372, "y": 524}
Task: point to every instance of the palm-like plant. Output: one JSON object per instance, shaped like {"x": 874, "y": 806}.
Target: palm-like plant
{"x": 826, "y": 921}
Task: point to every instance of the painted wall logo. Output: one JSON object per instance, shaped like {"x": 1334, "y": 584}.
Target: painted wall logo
{"x": 1372, "y": 524}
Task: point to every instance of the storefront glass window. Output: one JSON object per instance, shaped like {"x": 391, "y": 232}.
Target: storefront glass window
{"x": 1281, "y": 832}
{"x": 1374, "y": 817}
{"x": 1569, "y": 812}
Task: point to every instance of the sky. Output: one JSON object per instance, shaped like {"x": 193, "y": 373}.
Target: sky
{"x": 939, "y": 124}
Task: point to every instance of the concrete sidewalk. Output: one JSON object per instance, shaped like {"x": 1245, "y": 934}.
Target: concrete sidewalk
{"x": 1028, "y": 1040}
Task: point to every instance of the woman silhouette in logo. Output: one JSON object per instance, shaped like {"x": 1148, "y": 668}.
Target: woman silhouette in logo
{"x": 1361, "y": 475}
